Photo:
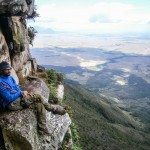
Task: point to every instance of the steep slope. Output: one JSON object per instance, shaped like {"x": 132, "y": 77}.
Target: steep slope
{"x": 102, "y": 125}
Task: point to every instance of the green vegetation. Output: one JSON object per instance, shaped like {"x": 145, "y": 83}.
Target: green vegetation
{"x": 74, "y": 131}
{"x": 53, "y": 94}
{"x": 97, "y": 123}
{"x": 102, "y": 125}
{"x": 74, "y": 134}
{"x": 31, "y": 33}
{"x": 53, "y": 78}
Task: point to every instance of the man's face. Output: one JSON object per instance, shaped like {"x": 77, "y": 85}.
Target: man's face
{"x": 6, "y": 72}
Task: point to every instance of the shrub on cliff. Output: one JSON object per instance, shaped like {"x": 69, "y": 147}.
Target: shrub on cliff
{"x": 31, "y": 33}
{"x": 54, "y": 77}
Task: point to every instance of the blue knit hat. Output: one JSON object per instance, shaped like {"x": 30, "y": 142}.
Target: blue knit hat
{"x": 4, "y": 65}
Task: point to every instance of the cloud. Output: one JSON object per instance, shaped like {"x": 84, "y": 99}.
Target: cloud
{"x": 148, "y": 22}
{"x": 117, "y": 12}
{"x": 103, "y": 19}
{"x": 106, "y": 17}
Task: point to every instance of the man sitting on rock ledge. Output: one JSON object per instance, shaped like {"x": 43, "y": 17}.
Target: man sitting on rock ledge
{"x": 12, "y": 98}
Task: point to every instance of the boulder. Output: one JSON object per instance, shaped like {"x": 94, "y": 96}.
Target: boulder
{"x": 60, "y": 91}
{"x": 19, "y": 128}
{"x": 37, "y": 86}
{"x": 58, "y": 126}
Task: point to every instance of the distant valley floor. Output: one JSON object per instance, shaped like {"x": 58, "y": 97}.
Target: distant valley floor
{"x": 123, "y": 78}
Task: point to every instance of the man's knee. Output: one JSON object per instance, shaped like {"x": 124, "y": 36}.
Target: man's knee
{"x": 40, "y": 108}
{"x": 33, "y": 98}
{"x": 36, "y": 97}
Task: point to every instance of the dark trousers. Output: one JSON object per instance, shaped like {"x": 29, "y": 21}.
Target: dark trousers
{"x": 35, "y": 102}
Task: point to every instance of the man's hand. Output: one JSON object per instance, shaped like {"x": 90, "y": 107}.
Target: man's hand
{"x": 24, "y": 94}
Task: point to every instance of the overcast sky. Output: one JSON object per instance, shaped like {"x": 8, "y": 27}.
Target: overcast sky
{"x": 94, "y": 16}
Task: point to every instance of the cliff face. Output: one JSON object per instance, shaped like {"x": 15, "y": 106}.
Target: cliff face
{"x": 17, "y": 7}
{"x": 14, "y": 39}
{"x": 18, "y": 129}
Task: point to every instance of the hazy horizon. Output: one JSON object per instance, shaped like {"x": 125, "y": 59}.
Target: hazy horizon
{"x": 94, "y": 16}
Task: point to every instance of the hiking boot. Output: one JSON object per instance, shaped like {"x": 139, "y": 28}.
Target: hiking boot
{"x": 57, "y": 109}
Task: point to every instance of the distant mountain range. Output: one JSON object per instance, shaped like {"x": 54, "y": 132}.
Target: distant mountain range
{"x": 139, "y": 35}
{"x": 45, "y": 30}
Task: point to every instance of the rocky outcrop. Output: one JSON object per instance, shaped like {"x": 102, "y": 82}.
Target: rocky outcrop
{"x": 14, "y": 39}
{"x": 18, "y": 129}
{"x": 19, "y": 57}
{"x": 17, "y": 7}
{"x": 60, "y": 91}
{"x": 20, "y": 132}
{"x": 37, "y": 86}
{"x": 4, "y": 51}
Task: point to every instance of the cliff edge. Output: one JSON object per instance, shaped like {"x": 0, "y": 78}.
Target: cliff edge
{"x": 18, "y": 129}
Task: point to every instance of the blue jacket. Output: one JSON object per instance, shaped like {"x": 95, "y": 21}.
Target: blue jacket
{"x": 9, "y": 90}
